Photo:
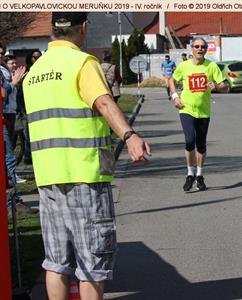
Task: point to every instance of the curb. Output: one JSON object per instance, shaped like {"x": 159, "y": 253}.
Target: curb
{"x": 131, "y": 120}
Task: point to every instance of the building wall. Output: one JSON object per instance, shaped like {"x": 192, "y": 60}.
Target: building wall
{"x": 21, "y": 47}
{"x": 154, "y": 61}
{"x": 231, "y": 48}
{"x": 40, "y": 43}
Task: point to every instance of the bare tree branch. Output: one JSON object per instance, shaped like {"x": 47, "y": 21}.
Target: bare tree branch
{"x": 13, "y": 24}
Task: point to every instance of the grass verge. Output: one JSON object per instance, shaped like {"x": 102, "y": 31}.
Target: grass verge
{"x": 127, "y": 103}
{"x": 30, "y": 250}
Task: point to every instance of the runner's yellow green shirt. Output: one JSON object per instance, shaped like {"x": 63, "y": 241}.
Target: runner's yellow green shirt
{"x": 195, "y": 95}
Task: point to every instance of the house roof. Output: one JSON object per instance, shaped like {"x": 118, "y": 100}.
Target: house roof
{"x": 186, "y": 23}
{"x": 153, "y": 27}
{"x": 144, "y": 19}
{"x": 102, "y": 26}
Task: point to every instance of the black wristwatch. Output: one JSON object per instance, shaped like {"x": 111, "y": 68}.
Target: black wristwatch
{"x": 128, "y": 134}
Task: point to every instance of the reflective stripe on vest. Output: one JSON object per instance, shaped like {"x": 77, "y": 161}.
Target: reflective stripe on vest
{"x": 71, "y": 143}
{"x": 62, "y": 113}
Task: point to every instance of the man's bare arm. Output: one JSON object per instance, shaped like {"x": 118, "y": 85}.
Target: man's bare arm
{"x": 137, "y": 148}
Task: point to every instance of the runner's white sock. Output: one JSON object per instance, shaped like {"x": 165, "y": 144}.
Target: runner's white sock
{"x": 190, "y": 171}
{"x": 199, "y": 171}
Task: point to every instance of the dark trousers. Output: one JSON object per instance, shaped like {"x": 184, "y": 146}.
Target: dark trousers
{"x": 195, "y": 131}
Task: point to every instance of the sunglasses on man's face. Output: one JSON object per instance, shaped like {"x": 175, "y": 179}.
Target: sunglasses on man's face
{"x": 200, "y": 46}
{"x": 2, "y": 53}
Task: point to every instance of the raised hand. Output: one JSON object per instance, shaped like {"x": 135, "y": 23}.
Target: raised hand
{"x": 18, "y": 75}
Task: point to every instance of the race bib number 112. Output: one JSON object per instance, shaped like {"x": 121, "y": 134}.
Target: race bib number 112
{"x": 198, "y": 82}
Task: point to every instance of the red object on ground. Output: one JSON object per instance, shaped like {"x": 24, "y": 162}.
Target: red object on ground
{"x": 74, "y": 291}
{"x": 5, "y": 275}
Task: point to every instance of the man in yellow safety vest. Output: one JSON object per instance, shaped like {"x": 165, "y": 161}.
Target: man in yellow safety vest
{"x": 70, "y": 108}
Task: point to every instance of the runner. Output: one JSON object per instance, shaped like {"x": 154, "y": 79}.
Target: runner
{"x": 168, "y": 67}
{"x": 199, "y": 76}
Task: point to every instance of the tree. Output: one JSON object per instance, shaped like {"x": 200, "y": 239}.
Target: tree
{"x": 116, "y": 57}
{"x": 125, "y": 62}
{"x": 136, "y": 46}
{"x": 13, "y": 24}
{"x": 115, "y": 52}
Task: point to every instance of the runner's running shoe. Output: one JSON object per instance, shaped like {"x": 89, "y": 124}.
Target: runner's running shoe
{"x": 189, "y": 183}
{"x": 201, "y": 186}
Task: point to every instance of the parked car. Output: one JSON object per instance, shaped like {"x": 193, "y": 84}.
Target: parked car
{"x": 232, "y": 71}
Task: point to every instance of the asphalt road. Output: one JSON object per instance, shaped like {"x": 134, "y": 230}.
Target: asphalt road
{"x": 175, "y": 245}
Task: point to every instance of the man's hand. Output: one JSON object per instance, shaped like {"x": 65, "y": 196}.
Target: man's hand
{"x": 137, "y": 148}
{"x": 18, "y": 75}
{"x": 178, "y": 103}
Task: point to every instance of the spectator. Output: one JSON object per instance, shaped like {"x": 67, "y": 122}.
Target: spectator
{"x": 14, "y": 76}
{"x": 10, "y": 160}
{"x": 112, "y": 75}
{"x": 9, "y": 111}
{"x": 31, "y": 58}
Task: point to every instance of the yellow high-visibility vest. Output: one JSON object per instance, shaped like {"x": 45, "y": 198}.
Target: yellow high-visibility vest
{"x": 69, "y": 141}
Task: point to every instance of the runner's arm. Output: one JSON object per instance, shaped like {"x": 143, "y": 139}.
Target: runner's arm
{"x": 222, "y": 87}
{"x": 163, "y": 69}
{"x": 175, "y": 97}
{"x": 218, "y": 83}
{"x": 173, "y": 67}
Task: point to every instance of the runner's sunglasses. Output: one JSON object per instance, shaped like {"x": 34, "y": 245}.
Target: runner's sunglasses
{"x": 200, "y": 46}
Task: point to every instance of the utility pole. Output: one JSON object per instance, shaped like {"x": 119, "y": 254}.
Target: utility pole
{"x": 120, "y": 44}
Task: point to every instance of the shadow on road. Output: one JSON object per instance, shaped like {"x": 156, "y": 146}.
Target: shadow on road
{"x": 158, "y": 133}
{"x": 179, "y": 206}
{"x": 232, "y": 186}
{"x": 176, "y": 166}
{"x": 141, "y": 274}
{"x": 152, "y": 122}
